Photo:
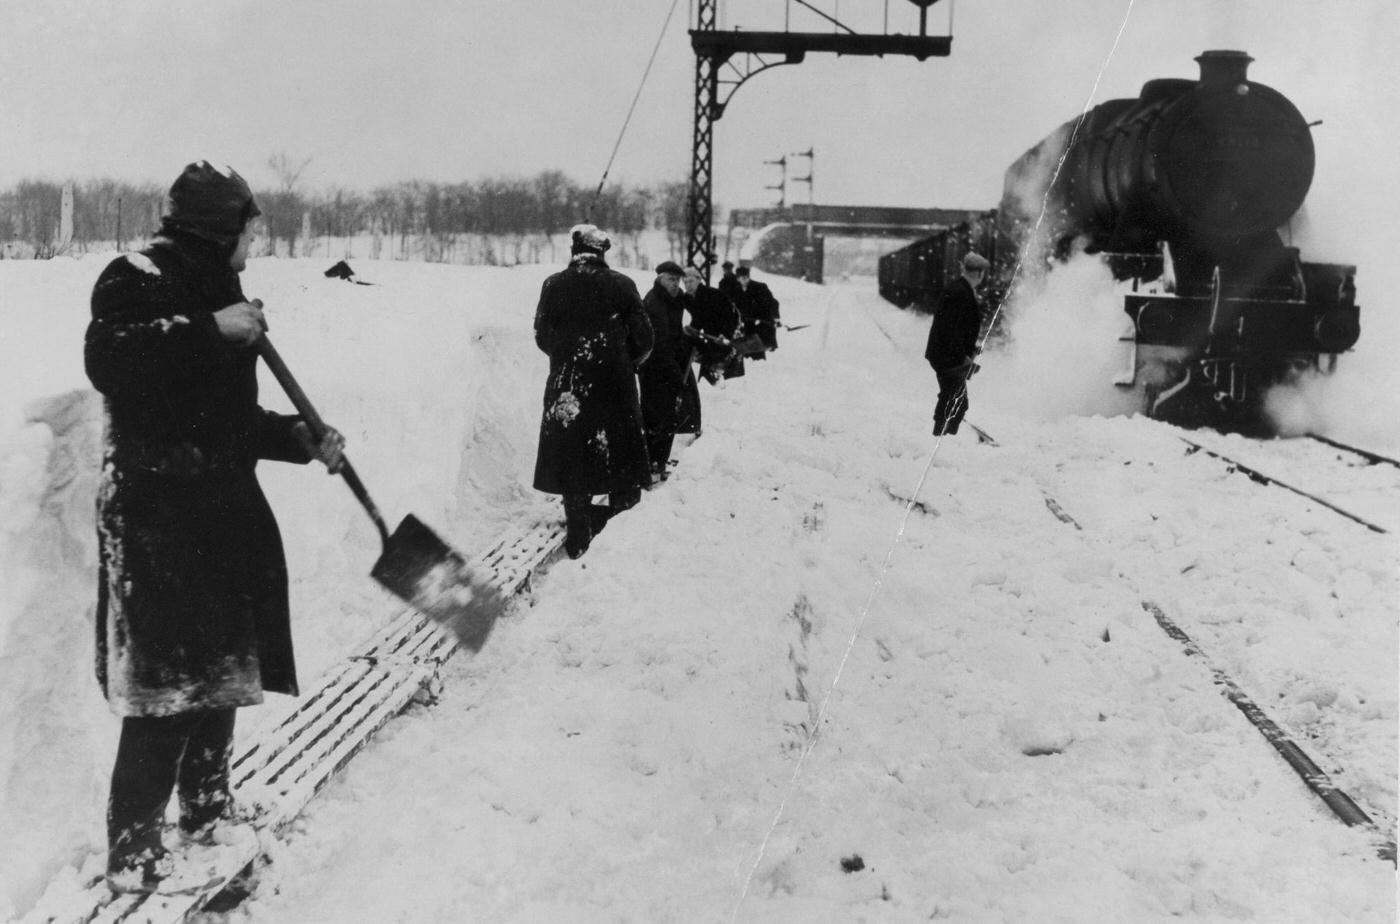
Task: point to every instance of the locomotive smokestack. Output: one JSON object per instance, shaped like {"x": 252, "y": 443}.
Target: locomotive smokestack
{"x": 1223, "y": 69}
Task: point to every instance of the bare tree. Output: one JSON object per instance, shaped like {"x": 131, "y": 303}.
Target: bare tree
{"x": 287, "y": 171}
{"x": 283, "y": 207}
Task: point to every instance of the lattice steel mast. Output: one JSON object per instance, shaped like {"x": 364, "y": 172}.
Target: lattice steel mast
{"x": 718, "y": 76}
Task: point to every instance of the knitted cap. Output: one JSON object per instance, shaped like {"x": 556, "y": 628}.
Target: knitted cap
{"x": 213, "y": 202}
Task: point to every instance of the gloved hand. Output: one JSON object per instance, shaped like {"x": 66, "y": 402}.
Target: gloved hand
{"x": 330, "y": 450}
{"x": 242, "y": 322}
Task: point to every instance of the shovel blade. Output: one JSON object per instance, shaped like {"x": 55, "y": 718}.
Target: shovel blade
{"x": 429, "y": 575}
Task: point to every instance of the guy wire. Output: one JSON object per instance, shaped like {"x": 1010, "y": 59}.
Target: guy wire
{"x": 587, "y": 215}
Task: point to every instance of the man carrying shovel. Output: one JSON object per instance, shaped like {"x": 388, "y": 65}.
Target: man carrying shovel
{"x": 952, "y": 343}
{"x": 192, "y": 611}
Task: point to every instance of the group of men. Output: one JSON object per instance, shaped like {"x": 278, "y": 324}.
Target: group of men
{"x": 622, "y": 381}
{"x": 192, "y": 617}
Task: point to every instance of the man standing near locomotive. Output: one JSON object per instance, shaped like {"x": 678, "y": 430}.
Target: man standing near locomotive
{"x": 192, "y": 614}
{"x": 591, "y": 324}
{"x": 952, "y": 343}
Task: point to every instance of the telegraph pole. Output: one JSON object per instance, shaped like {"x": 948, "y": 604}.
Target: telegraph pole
{"x": 725, "y": 59}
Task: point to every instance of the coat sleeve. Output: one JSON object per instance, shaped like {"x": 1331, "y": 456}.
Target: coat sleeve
{"x": 640, "y": 336}
{"x": 144, "y": 336}
{"x": 971, "y": 324}
{"x": 275, "y": 439}
{"x": 544, "y": 326}
{"x": 733, "y": 319}
{"x": 931, "y": 347}
{"x": 772, "y": 301}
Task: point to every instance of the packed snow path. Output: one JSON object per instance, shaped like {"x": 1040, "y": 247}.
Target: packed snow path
{"x": 1012, "y": 737}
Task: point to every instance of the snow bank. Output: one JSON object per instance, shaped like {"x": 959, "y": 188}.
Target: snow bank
{"x": 434, "y": 385}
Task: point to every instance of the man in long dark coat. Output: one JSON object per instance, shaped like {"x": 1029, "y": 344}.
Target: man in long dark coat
{"x": 952, "y": 343}
{"x": 759, "y": 307}
{"x": 591, "y": 323}
{"x": 192, "y": 613}
{"x": 663, "y": 375}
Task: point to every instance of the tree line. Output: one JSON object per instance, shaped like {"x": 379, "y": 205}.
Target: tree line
{"x": 422, "y": 219}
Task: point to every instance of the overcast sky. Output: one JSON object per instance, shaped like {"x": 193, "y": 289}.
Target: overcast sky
{"x": 376, "y": 91}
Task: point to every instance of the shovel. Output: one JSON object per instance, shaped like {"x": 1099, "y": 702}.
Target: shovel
{"x": 416, "y": 566}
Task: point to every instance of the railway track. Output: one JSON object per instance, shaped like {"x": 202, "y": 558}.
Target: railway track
{"x": 1319, "y": 782}
{"x": 1371, "y": 458}
{"x": 1261, "y": 477}
{"x": 1340, "y": 804}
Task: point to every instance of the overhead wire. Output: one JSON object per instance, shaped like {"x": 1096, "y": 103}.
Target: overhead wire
{"x": 597, "y": 193}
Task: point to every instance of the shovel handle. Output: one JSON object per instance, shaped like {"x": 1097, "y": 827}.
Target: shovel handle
{"x": 318, "y": 429}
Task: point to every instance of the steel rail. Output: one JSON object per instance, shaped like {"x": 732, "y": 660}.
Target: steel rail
{"x": 1262, "y": 478}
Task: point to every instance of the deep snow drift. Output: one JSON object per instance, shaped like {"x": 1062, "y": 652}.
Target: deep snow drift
{"x": 1002, "y": 732}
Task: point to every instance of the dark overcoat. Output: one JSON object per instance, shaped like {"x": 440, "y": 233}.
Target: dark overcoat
{"x": 713, "y": 313}
{"x": 192, "y": 609}
{"x": 670, "y": 395}
{"x": 728, "y": 285}
{"x": 957, "y": 322}
{"x": 759, "y": 307}
{"x": 591, "y": 323}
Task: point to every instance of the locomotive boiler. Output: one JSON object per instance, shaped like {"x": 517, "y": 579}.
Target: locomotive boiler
{"x": 1184, "y": 191}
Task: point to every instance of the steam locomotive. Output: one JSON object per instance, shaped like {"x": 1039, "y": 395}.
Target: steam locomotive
{"x": 1182, "y": 191}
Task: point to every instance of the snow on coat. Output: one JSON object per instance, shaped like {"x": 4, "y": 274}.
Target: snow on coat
{"x": 192, "y": 606}
{"x": 591, "y": 323}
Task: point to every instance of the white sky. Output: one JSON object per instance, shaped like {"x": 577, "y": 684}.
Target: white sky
{"x": 375, "y": 91}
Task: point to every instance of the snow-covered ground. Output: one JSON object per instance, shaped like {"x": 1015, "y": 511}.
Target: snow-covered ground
{"x": 833, "y": 670}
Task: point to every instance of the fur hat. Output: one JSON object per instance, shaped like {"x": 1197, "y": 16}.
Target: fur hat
{"x": 669, "y": 267}
{"x": 212, "y": 202}
{"x": 588, "y": 239}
